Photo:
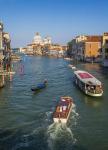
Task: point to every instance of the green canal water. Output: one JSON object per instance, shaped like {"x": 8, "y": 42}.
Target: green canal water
{"x": 26, "y": 117}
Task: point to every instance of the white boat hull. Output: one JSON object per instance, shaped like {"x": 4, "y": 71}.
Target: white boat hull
{"x": 73, "y": 67}
{"x": 91, "y": 94}
{"x": 61, "y": 120}
{"x": 95, "y": 95}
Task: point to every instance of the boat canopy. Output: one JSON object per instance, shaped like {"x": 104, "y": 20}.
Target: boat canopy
{"x": 85, "y": 75}
{"x": 87, "y": 78}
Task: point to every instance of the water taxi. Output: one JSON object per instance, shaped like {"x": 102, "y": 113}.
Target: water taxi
{"x": 63, "y": 110}
{"x": 88, "y": 83}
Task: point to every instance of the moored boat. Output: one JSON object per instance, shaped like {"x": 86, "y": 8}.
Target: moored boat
{"x": 68, "y": 58}
{"x": 88, "y": 83}
{"x": 63, "y": 110}
{"x": 72, "y": 66}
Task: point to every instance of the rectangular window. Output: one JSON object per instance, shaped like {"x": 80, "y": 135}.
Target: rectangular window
{"x": 106, "y": 41}
{"x": 106, "y": 50}
{"x": 106, "y": 53}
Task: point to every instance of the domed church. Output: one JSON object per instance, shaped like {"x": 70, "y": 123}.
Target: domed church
{"x": 37, "y": 39}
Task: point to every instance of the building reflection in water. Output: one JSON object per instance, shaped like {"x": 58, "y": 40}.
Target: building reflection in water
{"x": 90, "y": 67}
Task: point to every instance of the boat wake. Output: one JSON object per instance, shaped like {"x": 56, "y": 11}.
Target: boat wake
{"x": 74, "y": 117}
{"x": 59, "y": 136}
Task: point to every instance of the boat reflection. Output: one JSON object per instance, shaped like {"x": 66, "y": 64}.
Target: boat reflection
{"x": 92, "y": 101}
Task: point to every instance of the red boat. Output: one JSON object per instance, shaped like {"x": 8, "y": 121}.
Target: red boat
{"x": 63, "y": 110}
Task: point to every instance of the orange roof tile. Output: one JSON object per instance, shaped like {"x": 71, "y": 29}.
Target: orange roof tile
{"x": 94, "y": 39}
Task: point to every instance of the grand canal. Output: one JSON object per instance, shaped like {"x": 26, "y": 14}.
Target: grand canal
{"x": 26, "y": 117}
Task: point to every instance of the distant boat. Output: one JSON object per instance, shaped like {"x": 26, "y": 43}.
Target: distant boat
{"x": 39, "y": 86}
{"x": 72, "y": 66}
{"x": 67, "y": 58}
{"x": 63, "y": 110}
{"x": 88, "y": 83}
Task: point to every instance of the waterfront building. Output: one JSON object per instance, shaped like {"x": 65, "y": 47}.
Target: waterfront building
{"x": 71, "y": 48}
{"x": 57, "y": 50}
{"x": 39, "y": 41}
{"x": 6, "y": 44}
{"x": 38, "y": 46}
{"x": 33, "y": 49}
{"x": 37, "y": 49}
{"x": 29, "y": 49}
{"x": 105, "y": 50}
{"x": 5, "y": 53}
{"x": 23, "y": 50}
{"x": 1, "y": 43}
{"x": 91, "y": 48}
{"x": 53, "y": 53}
{"x": 44, "y": 47}
{"x": 85, "y": 47}
{"x": 5, "y": 48}
{"x": 47, "y": 40}
{"x": 1, "y": 36}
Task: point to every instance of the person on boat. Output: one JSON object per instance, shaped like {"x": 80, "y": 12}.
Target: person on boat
{"x": 88, "y": 88}
{"x": 45, "y": 81}
{"x": 42, "y": 85}
{"x": 39, "y": 86}
{"x": 92, "y": 89}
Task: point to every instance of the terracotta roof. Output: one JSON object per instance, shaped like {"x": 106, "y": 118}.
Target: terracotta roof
{"x": 31, "y": 44}
{"x": 94, "y": 39}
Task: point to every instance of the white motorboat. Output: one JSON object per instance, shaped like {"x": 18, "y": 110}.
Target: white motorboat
{"x": 88, "y": 83}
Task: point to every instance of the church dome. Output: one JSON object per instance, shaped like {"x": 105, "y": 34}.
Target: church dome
{"x": 37, "y": 39}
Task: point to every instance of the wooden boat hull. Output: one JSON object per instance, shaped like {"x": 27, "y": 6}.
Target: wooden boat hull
{"x": 63, "y": 115}
{"x": 62, "y": 120}
{"x": 35, "y": 89}
{"x": 39, "y": 87}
